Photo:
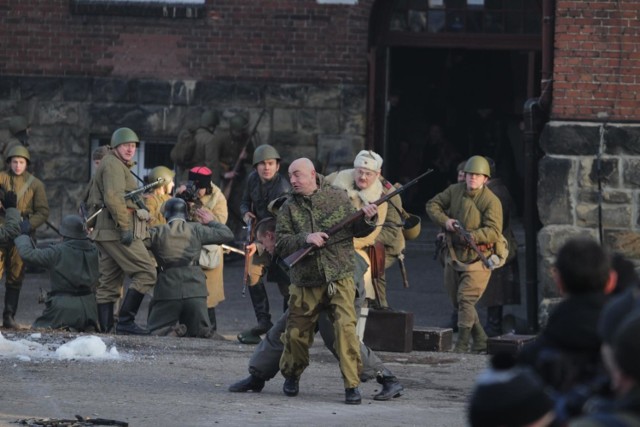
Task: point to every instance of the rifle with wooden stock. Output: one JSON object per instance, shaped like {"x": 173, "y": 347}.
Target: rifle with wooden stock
{"x": 293, "y": 259}
{"x": 236, "y": 166}
{"x": 247, "y": 258}
{"x": 468, "y": 238}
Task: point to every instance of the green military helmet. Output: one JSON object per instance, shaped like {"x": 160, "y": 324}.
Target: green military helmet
{"x": 209, "y": 119}
{"x": 265, "y": 152}
{"x": 238, "y": 122}
{"x": 478, "y": 165}
{"x": 123, "y": 136}
{"x": 72, "y": 227}
{"x": 18, "y": 124}
{"x": 19, "y": 151}
{"x": 161, "y": 172}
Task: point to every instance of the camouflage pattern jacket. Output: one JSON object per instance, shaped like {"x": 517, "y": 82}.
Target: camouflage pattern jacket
{"x": 302, "y": 215}
{"x": 479, "y": 211}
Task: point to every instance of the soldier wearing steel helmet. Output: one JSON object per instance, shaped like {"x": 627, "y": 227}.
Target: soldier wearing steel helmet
{"x": 181, "y": 293}
{"x": 264, "y": 184}
{"x": 19, "y": 128}
{"x": 118, "y": 233}
{"x": 34, "y": 210}
{"x": 160, "y": 194}
{"x": 73, "y": 266}
{"x": 479, "y": 211}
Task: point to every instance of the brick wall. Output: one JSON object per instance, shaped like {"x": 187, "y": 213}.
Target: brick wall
{"x": 284, "y": 40}
{"x": 597, "y": 64}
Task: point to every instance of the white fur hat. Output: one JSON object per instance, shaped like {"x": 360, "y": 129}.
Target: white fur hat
{"x": 369, "y": 160}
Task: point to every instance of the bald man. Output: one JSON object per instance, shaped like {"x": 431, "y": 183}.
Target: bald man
{"x": 324, "y": 278}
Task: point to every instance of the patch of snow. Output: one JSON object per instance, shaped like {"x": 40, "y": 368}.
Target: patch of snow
{"x": 89, "y": 347}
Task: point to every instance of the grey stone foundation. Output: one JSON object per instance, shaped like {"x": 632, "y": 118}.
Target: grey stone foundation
{"x": 569, "y": 196}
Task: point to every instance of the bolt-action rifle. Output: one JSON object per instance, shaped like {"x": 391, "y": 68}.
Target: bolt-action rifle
{"x": 468, "y": 238}
{"x": 236, "y": 167}
{"x": 131, "y": 195}
{"x": 247, "y": 258}
{"x": 293, "y": 259}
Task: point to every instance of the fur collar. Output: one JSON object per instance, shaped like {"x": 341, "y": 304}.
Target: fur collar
{"x": 344, "y": 179}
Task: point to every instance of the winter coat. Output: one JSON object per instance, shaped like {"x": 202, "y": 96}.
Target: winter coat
{"x": 176, "y": 246}
{"x": 479, "y": 211}
{"x": 300, "y": 216}
{"x": 112, "y": 181}
{"x": 32, "y": 200}
{"x": 73, "y": 272}
{"x": 257, "y": 194}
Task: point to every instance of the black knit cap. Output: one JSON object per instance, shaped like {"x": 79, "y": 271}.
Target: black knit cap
{"x": 505, "y": 395}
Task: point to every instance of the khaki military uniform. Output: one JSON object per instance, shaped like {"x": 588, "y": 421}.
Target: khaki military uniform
{"x": 358, "y": 198}
{"x": 33, "y": 206}
{"x": 73, "y": 266}
{"x": 217, "y": 205}
{"x": 393, "y": 240}
{"x": 181, "y": 292}
{"x": 154, "y": 204}
{"x": 111, "y": 181}
{"x": 321, "y": 280}
{"x": 465, "y": 277}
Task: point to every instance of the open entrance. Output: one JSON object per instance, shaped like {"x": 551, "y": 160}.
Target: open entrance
{"x": 445, "y": 105}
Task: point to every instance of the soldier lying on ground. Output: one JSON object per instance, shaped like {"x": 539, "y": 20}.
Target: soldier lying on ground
{"x": 263, "y": 364}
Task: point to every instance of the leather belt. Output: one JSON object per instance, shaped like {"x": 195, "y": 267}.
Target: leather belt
{"x": 77, "y": 293}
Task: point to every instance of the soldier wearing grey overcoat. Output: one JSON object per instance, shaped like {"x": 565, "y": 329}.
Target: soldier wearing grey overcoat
{"x": 180, "y": 295}
{"x": 73, "y": 272}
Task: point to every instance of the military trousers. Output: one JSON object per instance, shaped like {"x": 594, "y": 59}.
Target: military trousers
{"x": 13, "y": 266}
{"x": 265, "y": 360}
{"x": 305, "y": 305}
{"x": 118, "y": 260}
{"x": 66, "y": 311}
{"x": 191, "y": 312}
{"x": 465, "y": 289}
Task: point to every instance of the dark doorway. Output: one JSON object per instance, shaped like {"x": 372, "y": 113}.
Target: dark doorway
{"x": 446, "y": 104}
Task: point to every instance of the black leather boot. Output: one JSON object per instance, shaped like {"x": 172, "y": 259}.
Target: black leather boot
{"x": 493, "y": 328}
{"x": 126, "y": 318}
{"x": 11, "y": 298}
{"x": 391, "y": 387}
{"x": 260, "y": 301}
{"x": 105, "y": 317}
{"x": 212, "y": 318}
{"x": 251, "y": 383}
{"x": 352, "y": 396}
{"x": 290, "y": 387}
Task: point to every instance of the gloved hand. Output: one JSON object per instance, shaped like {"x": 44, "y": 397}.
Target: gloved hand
{"x": 25, "y": 227}
{"x": 143, "y": 214}
{"x": 10, "y": 200}
{"x": 126, "y": 237}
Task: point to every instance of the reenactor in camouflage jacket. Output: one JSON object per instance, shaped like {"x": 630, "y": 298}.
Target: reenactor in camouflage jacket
{"x": 323, "y": 279}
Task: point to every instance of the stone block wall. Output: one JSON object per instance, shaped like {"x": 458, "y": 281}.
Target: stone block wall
{"x": 324, "y": 122}
{"x": 576, "y": 153}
